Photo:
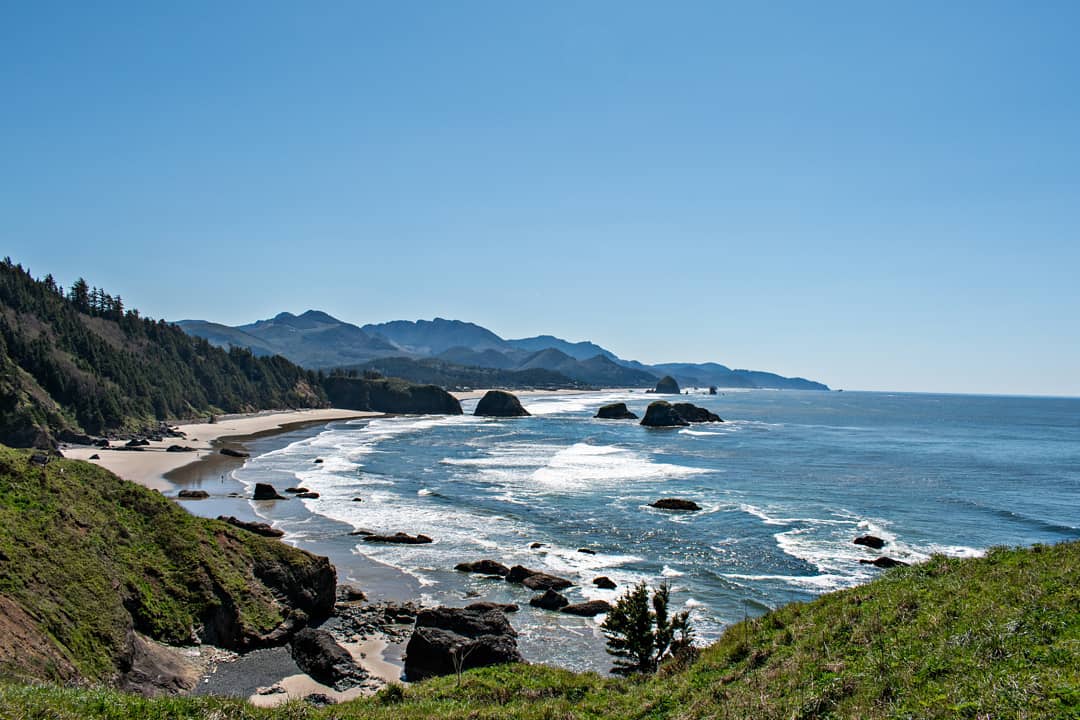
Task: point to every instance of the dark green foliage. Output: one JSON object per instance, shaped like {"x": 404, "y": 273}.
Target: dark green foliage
{"x": 89, "y": 557}
{"x": 81, "y": 361}
{"x": 459, "y": 377}
{"x": 641, "y": 637}
{"x": 391, "y": 395}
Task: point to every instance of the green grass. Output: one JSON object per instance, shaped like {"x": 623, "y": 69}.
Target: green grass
{"x": 994, "y": 637}
{"x": 89, "y": 557}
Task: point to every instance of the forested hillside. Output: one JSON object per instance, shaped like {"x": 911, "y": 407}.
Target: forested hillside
{"x": 78, "y": 360}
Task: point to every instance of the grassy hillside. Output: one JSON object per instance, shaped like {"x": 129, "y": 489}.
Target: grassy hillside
{"x": 78, "y": 360}
{"x": 996, "y": 637}
{"x": 87, "y": 559}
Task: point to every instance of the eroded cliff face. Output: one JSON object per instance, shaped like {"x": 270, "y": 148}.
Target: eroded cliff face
{"x": 94, "y": 569}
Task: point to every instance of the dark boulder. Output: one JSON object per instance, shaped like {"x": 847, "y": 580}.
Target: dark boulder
{"x": 256, "y": 527}
{"x": 263, "y": 491}
{"x": 486, "y": 606}
{"x": 233, "y": 453}
{"x": 884, "y": 562}
{"x": 399, "y": 538}
{"x": 102, "y": 443}
{"x": 694, "y": 414}
{"x": 615, "y": 411}
{"x": 179, "y": 448}
{"x": 550, "y": 600}
{"x": 95, "y": 456}
{"x": 497, "y": 403}
{"x": 592, "y": 608}
{"x": 543, "y": 581}
{"x": 308, "y": 495}
{"x": 318, "y": 654}
{"x": 318, "y": 461}
{"x": 667, "y": 386}
{"x": 193, "y": 494}
{"x": 536, "y": 545}
{"x": 350, "y": 593}
{"x": 662, "y": 414}
{"x": 138, "y": 442}
{"x": 447, "y": 637}
{"x": 870, "y": 541}
{"x": 484, "y": 567}
{"x": 296, "y": 489}
{"x": 518, "y": 573}
{"x": 604, "y": 582}
{"x": 712, "y": 389}
{"x": 675, "y": 504}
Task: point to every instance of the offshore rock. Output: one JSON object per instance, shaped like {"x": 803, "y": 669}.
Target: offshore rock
{"x": 663, "y": 414}
{"x": 675, "y": 504}
{"x": 693, "y": 413}
{"x": 870, "y": 541}
{"x": 615, "y": 411}
{"x": 667, "y": 386}
{"x": 484, "y": 567}
{"x": 592, "y": 608}
{"x": 264, "y": 491}
{"x": 498, "y": 403}
{"x": 550, "y": 600}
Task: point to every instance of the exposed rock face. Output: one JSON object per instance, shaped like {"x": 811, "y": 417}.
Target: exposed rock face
{"x": 255, "y": 527}
{"x": 497, "y": 403}
{"x": 604, "y": 583}
{"x": 675, "y": 504}
{"x": 662, "y": 414}
{"x": 474, "y": 638}
{"x": 615, "y": 411}
{"x": 263, "y": 491}
{"x": 233, "y": 453}
{"x": 667, "y": 386}
{"x": 484, "y": 567}
{"x": 317, "y": 654}
{"x": 870, "y": 541}
{"x": 592, "y": 608}
{"x": 399, "y": 538}
{"x": 693, "y": 413}
{"x": 193, "y": 494}
{"x": 884, "y": 562}
{"x": 550, "y": 600}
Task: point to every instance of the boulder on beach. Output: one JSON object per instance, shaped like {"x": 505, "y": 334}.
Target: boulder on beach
{"x": 615, "y": 411}
{"x": 179, "y": 448}
{"x": 265, "y": 491}
{"x": 667, "y": 386}
{"x": 884, "y": 562}
{"x": 592, "y": 608}
{"x": 233, "y": 453}
{"x": 675, "y": 504}
{"x": 870, "y": 541}
{"x": 550, "y": 600}
{"x": 193, "y": 494}
{"x": 694, "y": 414}
{"x": 446, "y": 638}
{"x": 399, "y": 538}
{"x": 498, "y": 403}
{"x": 318, "y": 654}
{"x": 662, "y": 414}
{"x": 308, "y": 495}
{"x": 95, "y": 456}
{"x": 604, "y": 583}
{"x": 255, "y": 527}
{"x": 484, "y": 567}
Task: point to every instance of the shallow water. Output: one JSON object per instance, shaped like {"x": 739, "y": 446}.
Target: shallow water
{"x": 785, "y": 485}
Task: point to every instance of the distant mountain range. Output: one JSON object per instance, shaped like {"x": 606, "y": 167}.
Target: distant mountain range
{"x": 450, "y": 353}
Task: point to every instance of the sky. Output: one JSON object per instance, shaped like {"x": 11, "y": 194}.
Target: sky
{"x": 875, "y": 195}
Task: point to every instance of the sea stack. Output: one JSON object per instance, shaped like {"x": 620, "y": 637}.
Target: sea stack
{"x": 497, "y": 403}
{"x": 667, "y": 386}
{"x": 615, "y": 411}
{"x": 662, "y": 414}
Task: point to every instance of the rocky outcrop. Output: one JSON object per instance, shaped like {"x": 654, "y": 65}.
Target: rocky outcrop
{"x": 615, "y": 411}
{"x": 667, "y": 386}
{"x": 884, "y": 562}
{"x": 675, "y": 504}
{"x": 592, "y": 608}
{"x": 694, "y": 414}
{"x": 179, "y": 448}
{"x": 193, "y": 494}
{"x": 318, "y": 654}
{"x": 519, "y": 573}
{"x": 604, "y": 583}
{"x": 390, "y": 395}
{"x": 447, "y": 638}
{"x": 256, "y": 527}
{"x": 230, "y": 452}
{"x": 550, "y": 600}
{"x": 399, "y": 538}
{"x": 308, "y": 495}
{"x": 662, "y": 414}
{"x": 497, "y": 403}
{"x": 484, "y": 567}
{"x": 485, "y": 606}
{"x": 870, "y": 541}
{"x": 536, "y": 580}
{"x": 264, "y": 491}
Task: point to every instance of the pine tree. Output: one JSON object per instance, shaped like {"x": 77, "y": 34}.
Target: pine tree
{"x": 640, "y": 637}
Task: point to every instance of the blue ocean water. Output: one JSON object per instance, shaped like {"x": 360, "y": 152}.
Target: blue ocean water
{"x": 785, "y": 485}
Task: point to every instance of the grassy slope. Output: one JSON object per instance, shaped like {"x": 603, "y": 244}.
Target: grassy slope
{"x": 997, "y": 637}
{"x": 89, "y": 556}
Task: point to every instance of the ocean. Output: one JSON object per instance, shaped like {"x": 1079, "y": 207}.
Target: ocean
{"x": 785, "y": 484}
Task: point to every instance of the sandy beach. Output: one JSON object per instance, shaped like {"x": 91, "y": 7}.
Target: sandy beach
{"x": 149, "y": 466}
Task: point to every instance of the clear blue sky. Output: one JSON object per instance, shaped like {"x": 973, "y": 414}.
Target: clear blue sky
{"x": 877, "y": 195}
